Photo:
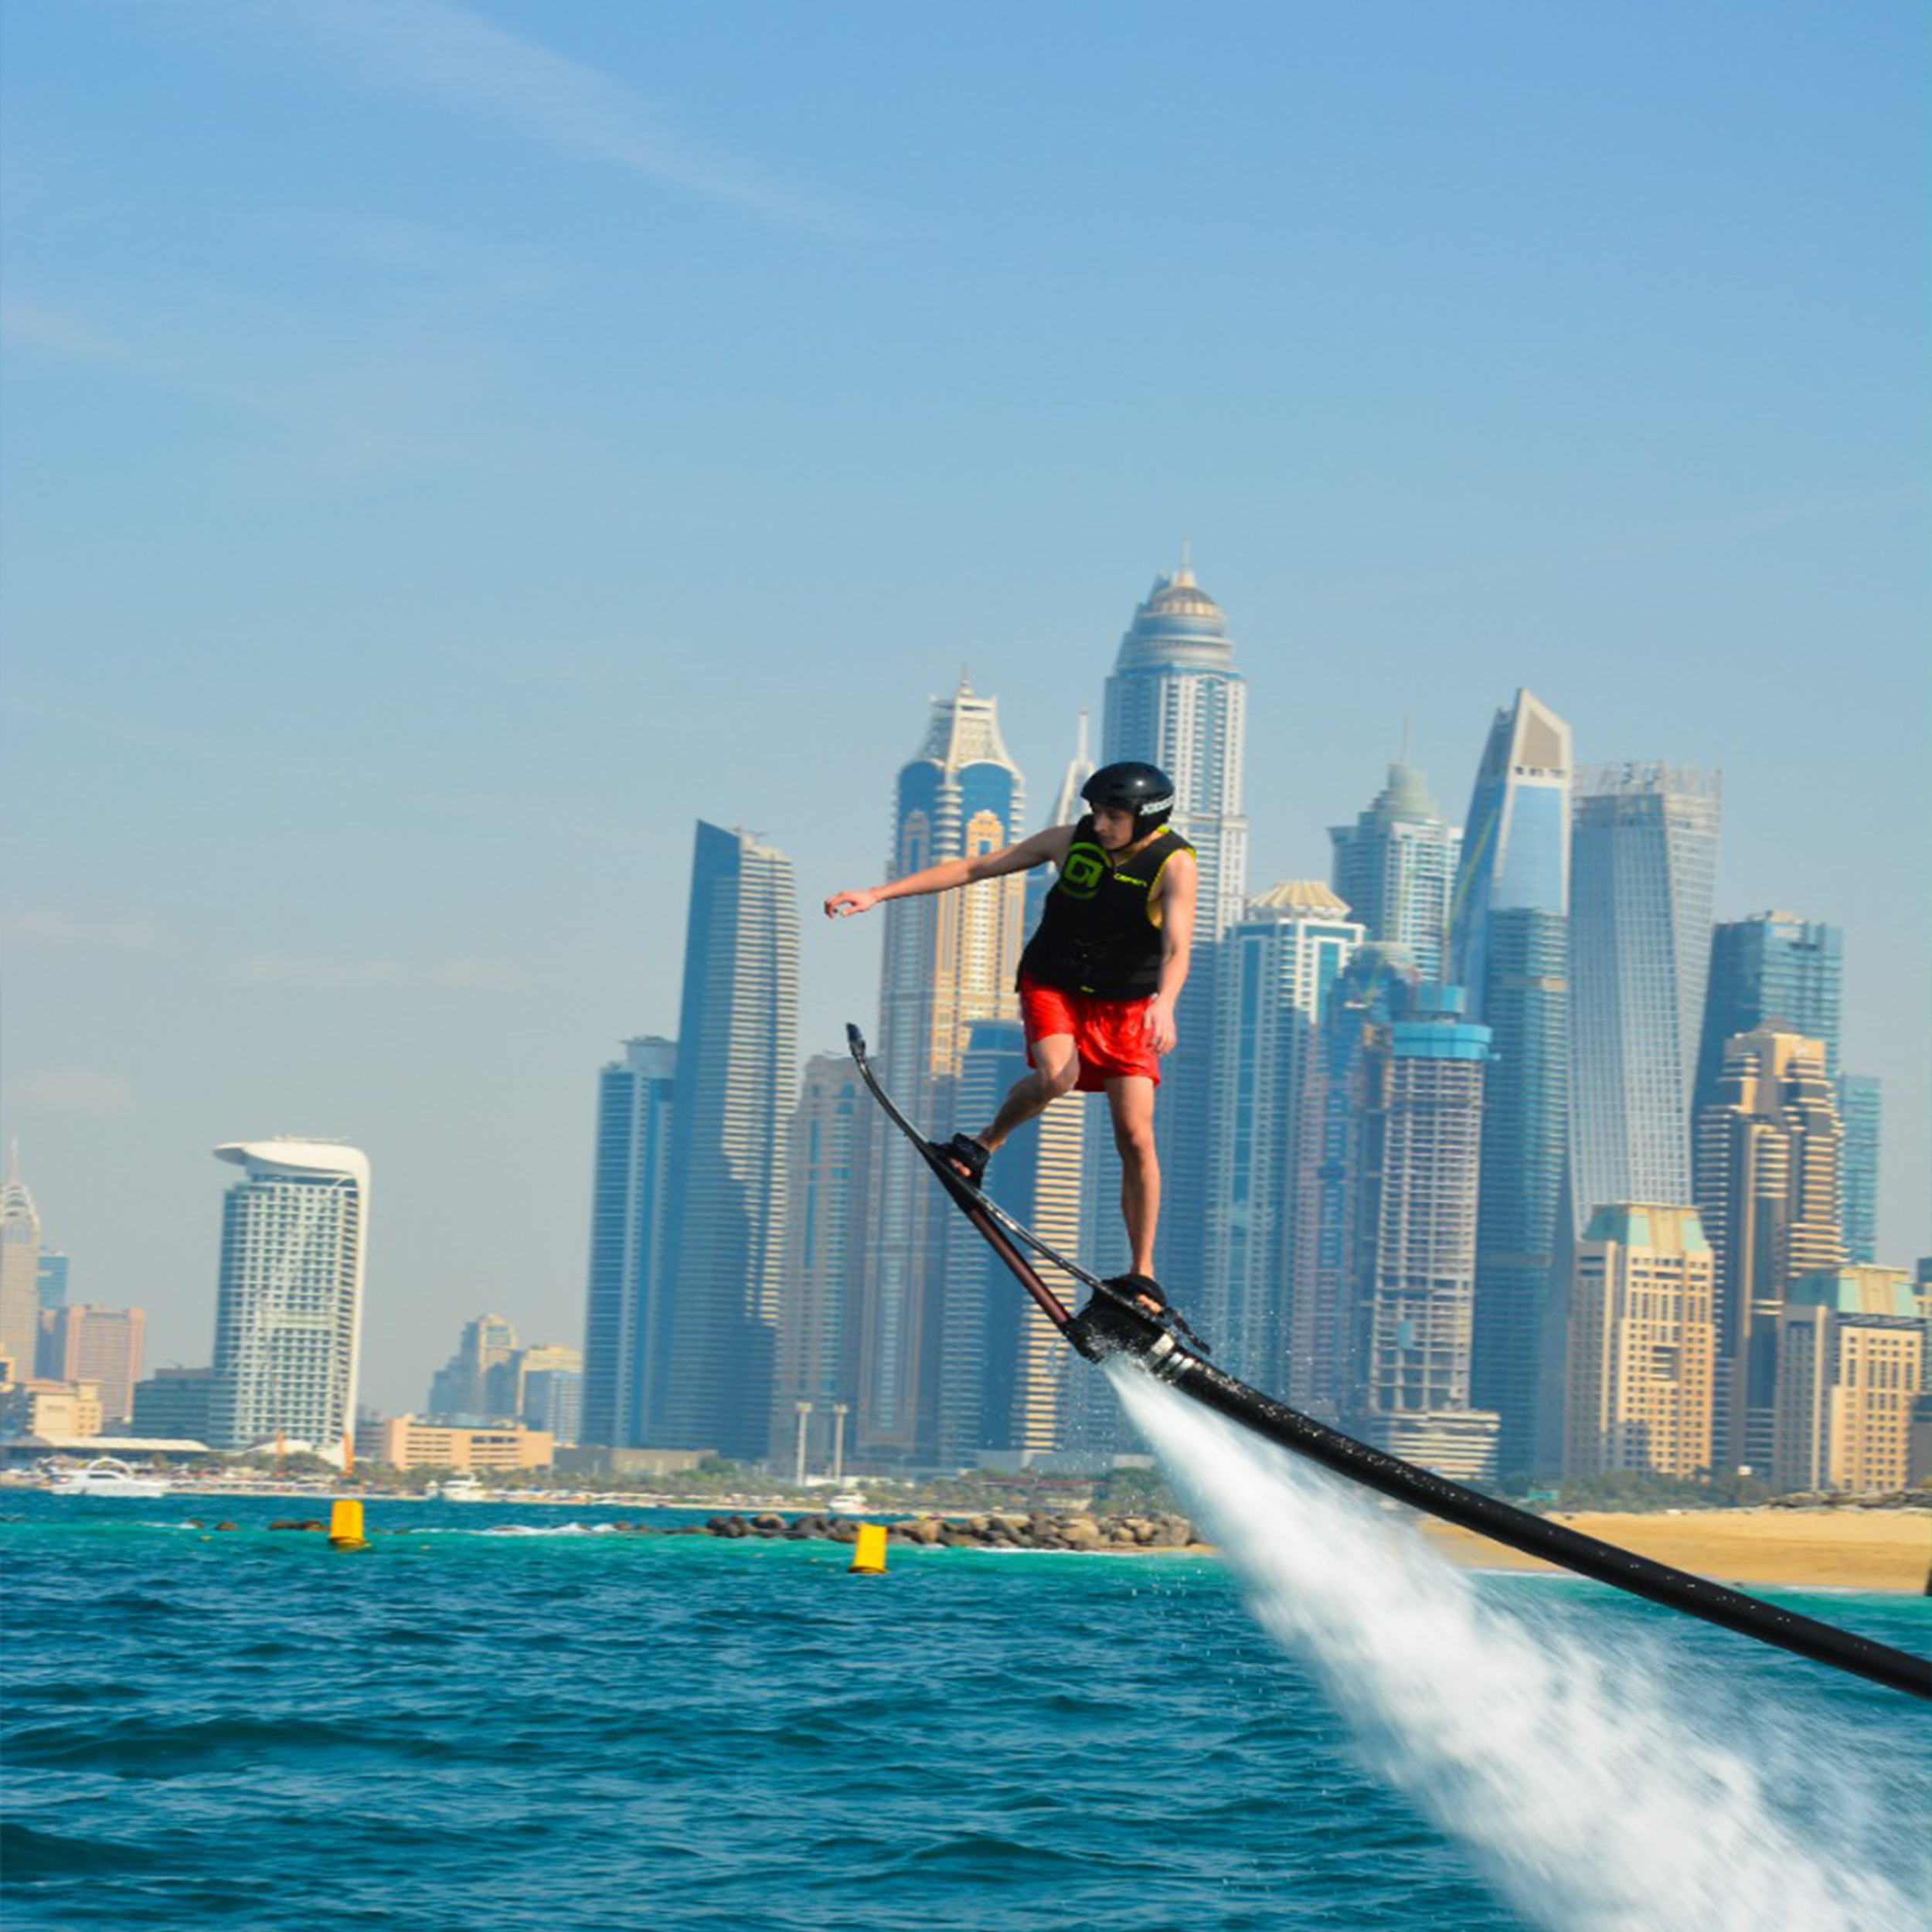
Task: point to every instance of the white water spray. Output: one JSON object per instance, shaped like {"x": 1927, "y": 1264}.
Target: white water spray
{"x": 1588, "y": 1796}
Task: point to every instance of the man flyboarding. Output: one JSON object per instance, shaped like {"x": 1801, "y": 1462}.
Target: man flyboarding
{"x": 1097, "y": 980}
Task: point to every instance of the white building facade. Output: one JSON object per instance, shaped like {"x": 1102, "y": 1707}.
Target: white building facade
{"x": 289, "y": 1311}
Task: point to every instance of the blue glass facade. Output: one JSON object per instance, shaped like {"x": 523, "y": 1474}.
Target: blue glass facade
{"x": 1509, "y": 947}
{"x": 1521, "y": 1247}
{"x": 1860, "y": 1099}
{"x": 737, "y": 1073}
{"x": 625, "y": 1303}
{"x": 1335, "y": 1231}
{"x": 1644, "y": 877}
{"x": 1774, "y": 969}
{"x": 1395, "y": 867}
{"x": 1276, "y": 974}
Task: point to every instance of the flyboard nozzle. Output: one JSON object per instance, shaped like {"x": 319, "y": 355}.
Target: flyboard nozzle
{"x": 1106, "y": 1327}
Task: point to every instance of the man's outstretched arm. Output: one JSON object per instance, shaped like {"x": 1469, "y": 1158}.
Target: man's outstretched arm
{"x": 1042, "y": 846}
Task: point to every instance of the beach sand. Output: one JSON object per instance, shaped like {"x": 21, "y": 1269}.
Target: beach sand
{"x": 1831, "y": 1549}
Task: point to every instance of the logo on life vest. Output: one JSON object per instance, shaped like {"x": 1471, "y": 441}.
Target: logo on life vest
{"x": 1081, "y": 871}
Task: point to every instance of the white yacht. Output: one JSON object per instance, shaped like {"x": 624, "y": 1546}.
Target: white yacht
{"x": 848, "y": 1502}
{"x": 461, "y": 1487}
{"x": 108, "y": 1476}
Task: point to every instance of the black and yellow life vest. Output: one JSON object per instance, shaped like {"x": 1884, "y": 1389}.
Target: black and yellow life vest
{"x": 1097, "y": 934}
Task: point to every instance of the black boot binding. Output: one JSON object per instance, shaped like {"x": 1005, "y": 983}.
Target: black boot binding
{"x": 963, "y": 1152}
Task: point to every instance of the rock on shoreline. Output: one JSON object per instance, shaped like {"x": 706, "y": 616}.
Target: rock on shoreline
{"x": 1117, "y": 1535}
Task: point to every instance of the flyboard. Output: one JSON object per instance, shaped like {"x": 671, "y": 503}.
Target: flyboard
{"x": 1111, "y": 1324}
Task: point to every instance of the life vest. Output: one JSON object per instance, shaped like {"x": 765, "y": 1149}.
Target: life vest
{"x": 1097, "y": 934}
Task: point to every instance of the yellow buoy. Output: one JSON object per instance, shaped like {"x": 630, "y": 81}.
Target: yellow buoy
{"x": 869, "y": 1553}
{"x": 346, "y": 1525}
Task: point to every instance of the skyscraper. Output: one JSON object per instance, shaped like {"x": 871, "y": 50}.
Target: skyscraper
{"x": 1175, "y": 699}
{"x": 1509, "y": 950}
{"x": 19, "y": 1271}
{"x": 289, "y": 1308}
{"x": 1641, "y": 1340}
{"x": 1336, "y": 1206}
{"x": 737, "y": 1086}
{"x": 479, "y": 1383}
{"x": 1515, "y": 842}
{"x": 1395, "y": 867}
{"x": 1860, "y": 1105}
{"x": 1277, "y": 965}
{"x": 1767, "y": 1186}
{"x": 1774, "y": 969}
{"x": 549, "y": 1386}
{"x": 832, "y": 1144}
{"x": 1780, "y": 971}
{"x": 950, "y": 959}
{"x": 628, "y": 1294}
{"x": 1644, "y": 877}
{"x": 1421, "y": 1156}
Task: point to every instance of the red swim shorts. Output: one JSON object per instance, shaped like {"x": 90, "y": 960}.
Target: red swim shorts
{"x": 1108, "y": 1034}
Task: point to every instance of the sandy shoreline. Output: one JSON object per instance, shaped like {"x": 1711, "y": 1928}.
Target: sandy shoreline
{"x": 1829, "y": 1548}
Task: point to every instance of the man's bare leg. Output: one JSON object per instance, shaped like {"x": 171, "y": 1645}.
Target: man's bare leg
{"x": 1130, "y": 1099}
{"x": 1055, "y": 1071}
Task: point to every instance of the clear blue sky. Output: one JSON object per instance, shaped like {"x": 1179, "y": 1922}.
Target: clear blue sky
{"x": 449, "y": 448}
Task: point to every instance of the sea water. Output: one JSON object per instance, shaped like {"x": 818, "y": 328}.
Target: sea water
{"x": 515, "y": 1717}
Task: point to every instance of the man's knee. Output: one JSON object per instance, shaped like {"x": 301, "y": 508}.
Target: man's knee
{"x": 1133, "y": 1140}
{"x": 1059, "y": 1081}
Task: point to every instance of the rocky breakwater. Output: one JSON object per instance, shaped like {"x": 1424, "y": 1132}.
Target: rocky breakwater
{"x": 1115, "y": 1536}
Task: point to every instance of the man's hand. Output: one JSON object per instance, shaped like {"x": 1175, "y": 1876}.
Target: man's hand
{"x": 843, "y": 905}
{"x": 1156, "y": 1025}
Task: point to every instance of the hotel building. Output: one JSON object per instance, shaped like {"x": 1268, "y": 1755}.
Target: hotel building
{"x": 289, "y": 1303}
{"x": 1642, "y": 1343}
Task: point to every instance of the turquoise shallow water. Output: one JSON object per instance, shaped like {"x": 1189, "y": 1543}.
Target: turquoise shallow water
{"x": 501, "y": 1720}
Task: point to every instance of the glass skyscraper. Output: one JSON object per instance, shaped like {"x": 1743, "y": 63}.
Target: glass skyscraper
{"x": 1176, "y": 698}
{"x": 289, "y": 1303}
{"x": 1860, "y": 1104}
{"x": 1277, "y": 966}
{"x": 1395, "y": 868}
{"x": 950, "y": 961}
{"x": 1419, "y": 1149}
{"x": 1772, "y": 969}
{"x": 737, "y": 1084}
{"x": 1516, "y": 841}
{"x": 1509, "y": 950}
{"x": 625, "y": 1305}
{"x": 1335, "y": 1221}
{"x": 1645, "y": 875}
{"x": 832, "y": 1142}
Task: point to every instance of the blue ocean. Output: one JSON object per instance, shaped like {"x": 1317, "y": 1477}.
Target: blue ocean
{"x": 514, "y": 1717}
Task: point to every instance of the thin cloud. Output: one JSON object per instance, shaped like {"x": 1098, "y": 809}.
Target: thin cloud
{"x": 52, "y": 927}
{"x": 291, "y": 972}
{"x": 435, "y": 49}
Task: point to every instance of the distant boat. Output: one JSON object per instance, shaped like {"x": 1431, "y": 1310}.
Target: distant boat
{"x": 108, "y": 1476}
{"x": 461, "y": 1489}
{"x": 848, "y": 1502}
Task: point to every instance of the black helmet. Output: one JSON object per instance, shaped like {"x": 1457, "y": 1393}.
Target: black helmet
{"x": 1145, "y": 790}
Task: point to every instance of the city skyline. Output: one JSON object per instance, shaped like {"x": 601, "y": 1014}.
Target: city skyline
{"x": 398, "y": 563}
